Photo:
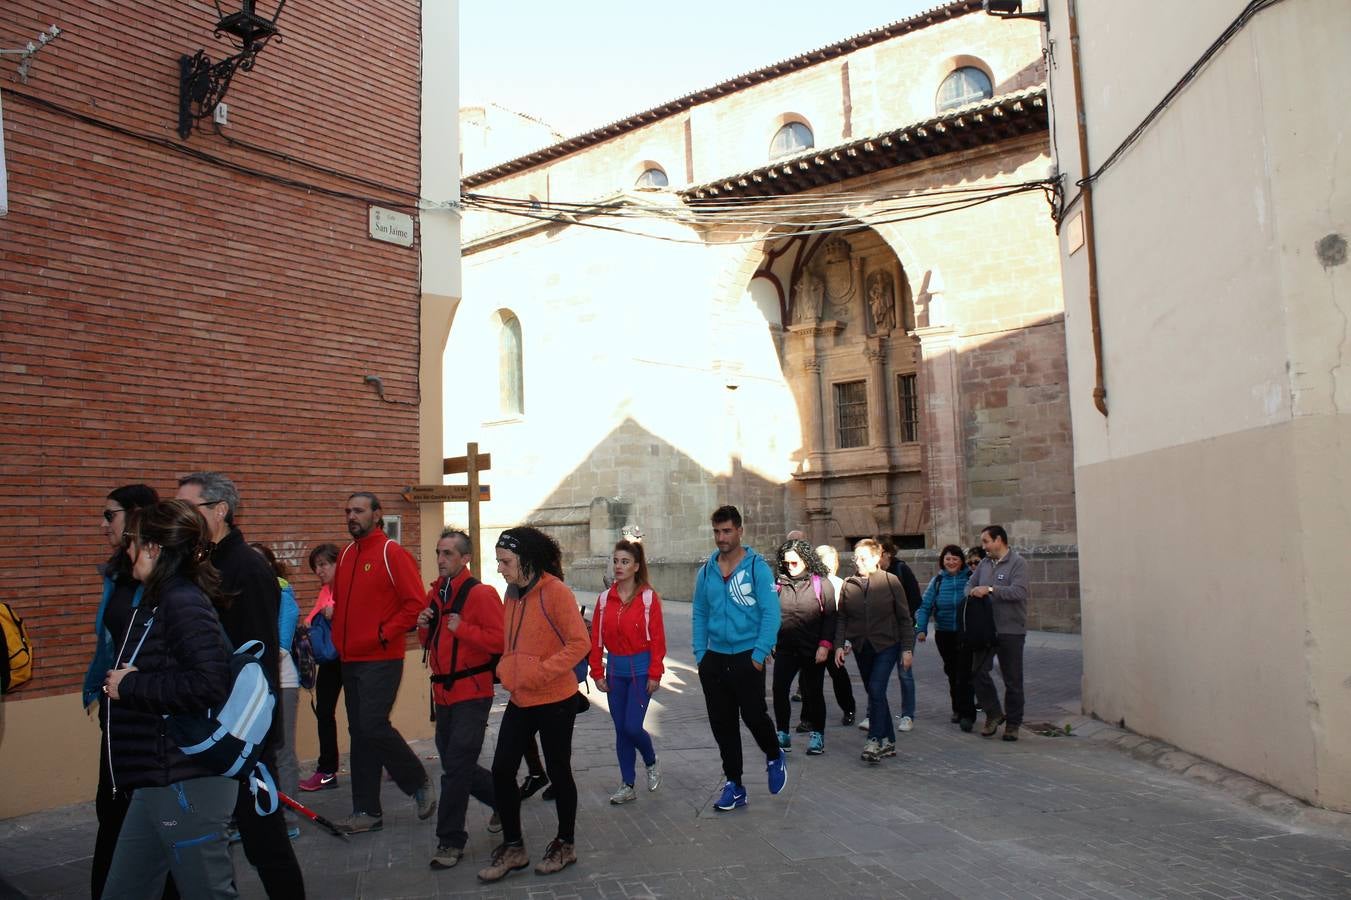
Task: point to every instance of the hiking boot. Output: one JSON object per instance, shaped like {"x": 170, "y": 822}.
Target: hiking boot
{"x": 494, "y": 824}
{"x": 531, "y": 785}
{"x": 505, "y": 861}
{"x": 967, "y": 725}
{"x": 320, "y": 781}
{"x": 654, "y": 775}
{"x": 425, "y": 800}
{"x": 785, "y": 742}
{"x": 888, "y": 749}
{"x": 777, "y": 770}
{"x": 992, "y": 723}
{"x": 848, "y": 719}
{"x": 872, "y": 750}
{"x": 550, "y": 793}
{"x": 803, "y": 728}
{"x": 1010, "y": 732}
{"x": 816, "y": 744}
{"x": 863, "y": 726}
{"x": 906, "y": 724}
{"x": 625, "y": 794}
{"x": 446, "y": 857}
{"x": 360, "y": 823}
{"x": 558, "y": 856}
{"x": 733, "y": 797}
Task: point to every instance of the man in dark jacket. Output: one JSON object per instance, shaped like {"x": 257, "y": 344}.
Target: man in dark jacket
{"x": 913, "y": 597}
{"x": 254, "y": 597}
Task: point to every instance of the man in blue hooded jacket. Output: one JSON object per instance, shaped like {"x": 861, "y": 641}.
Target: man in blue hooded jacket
{"x": 736, "y": 621}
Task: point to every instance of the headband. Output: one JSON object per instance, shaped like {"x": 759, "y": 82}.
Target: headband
{"x": 509, "y": 542}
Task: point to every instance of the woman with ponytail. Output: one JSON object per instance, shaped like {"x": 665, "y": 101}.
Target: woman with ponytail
{"x": 171, "y": 658}
{"x": 628, "y": 623}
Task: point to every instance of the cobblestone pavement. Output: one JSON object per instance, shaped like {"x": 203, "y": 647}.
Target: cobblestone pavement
{"x": 952, "y": 816}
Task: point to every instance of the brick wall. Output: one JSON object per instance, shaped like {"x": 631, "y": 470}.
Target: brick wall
{"x": 164, "y": 313}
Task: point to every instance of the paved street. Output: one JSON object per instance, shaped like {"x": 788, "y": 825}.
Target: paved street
{"x": 952, "y": 816}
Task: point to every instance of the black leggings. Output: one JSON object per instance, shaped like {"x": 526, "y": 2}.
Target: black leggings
{"x": 327, "y": 687}
{"x": 788, "y": 662}
{"x": 553, "y": 722}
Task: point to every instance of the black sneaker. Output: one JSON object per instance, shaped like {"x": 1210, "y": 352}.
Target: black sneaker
{"x": 549, "y": 793}
{"x": 797, "y": 697}
{"x": 848, "y": 719}
{"x": 531, "y": 785}
{"x": 803, "y": 728}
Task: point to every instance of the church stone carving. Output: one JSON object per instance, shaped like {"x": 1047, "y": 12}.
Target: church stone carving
{"x": 882, "y": 302}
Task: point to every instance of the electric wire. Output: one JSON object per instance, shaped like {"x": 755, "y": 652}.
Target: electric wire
{"x": 1252, "y": 9}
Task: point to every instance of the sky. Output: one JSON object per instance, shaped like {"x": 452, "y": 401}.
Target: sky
{"x": 582, "y": 64}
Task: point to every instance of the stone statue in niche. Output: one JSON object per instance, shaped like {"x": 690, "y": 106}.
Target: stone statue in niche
{"x": 882, "y": 302}
{"x": 808, "y": 294}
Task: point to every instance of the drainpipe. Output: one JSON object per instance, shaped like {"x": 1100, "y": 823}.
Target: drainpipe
{"x": 1090, "y": 246}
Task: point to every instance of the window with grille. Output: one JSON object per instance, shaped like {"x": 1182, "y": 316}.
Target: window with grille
{"x": 907, "y": 396}
{"x": 851, "y": 412}
{"x": 965, "y": 85}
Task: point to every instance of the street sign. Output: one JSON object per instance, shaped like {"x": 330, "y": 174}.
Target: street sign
{"x": 456, "y": 465}
{"x": 444, "y": 493}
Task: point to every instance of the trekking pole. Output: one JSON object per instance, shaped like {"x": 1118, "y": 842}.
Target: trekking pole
{"x": 312, "y": 815}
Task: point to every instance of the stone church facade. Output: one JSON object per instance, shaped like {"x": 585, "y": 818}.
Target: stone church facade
{"x": 827, "y": 292}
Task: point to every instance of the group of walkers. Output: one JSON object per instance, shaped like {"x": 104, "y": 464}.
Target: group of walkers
{"x": 183, "y": 591}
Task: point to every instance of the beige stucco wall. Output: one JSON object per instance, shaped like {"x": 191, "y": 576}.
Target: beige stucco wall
{"x": 56, "y": 745}
{"x": 1213, "y": 500}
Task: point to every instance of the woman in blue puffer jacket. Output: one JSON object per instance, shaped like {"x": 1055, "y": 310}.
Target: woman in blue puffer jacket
{"x": 940, "y": 602}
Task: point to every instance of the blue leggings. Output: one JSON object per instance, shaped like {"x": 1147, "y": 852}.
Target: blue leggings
{"x": 628, "y": 708}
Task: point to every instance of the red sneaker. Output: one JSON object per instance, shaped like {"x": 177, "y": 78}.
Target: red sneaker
{"x": 320, "y": 781}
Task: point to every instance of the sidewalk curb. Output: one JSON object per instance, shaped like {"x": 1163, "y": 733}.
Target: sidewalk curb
{"x": 1165, "y": 756}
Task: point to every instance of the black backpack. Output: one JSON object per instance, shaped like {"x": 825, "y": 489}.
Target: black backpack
{"x": 975, "y": 621}
{"x": 434, "y": 638}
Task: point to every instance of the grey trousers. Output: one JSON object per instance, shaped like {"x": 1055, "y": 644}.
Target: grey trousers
{"x": 179, "y": 829}
{"x": 288, "y": 767}
{"x": 1008, "y": 649}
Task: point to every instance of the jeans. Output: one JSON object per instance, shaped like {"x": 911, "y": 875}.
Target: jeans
{"x": 1008, "y": 649}
{"x": 788, "y": 663}
{"x": 376, "y": 744}
{"x": 957, "y": 667}
{"x": 327, "y": 687}
{"x": 733, "y": 685}
{"x": 907, "y": 679}
{"x": 874, "y": 667}
{"x": 553, "y": 722}
{"x": 459, "y": 740}
{"x": 180, "y": 829}
{"x": 628, "y": 708}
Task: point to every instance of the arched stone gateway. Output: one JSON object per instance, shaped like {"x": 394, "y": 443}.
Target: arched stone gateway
{"x": 850, "y": 354}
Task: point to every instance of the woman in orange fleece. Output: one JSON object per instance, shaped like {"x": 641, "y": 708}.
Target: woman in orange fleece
{"x": 545, "y": 638}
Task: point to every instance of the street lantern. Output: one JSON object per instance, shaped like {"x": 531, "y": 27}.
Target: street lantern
{"x": 202, "y": 83}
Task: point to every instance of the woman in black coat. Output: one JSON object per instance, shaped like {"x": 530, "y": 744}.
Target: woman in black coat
{"x": 171, "y": 658}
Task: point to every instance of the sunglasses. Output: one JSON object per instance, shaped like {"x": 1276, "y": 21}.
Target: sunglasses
{"x": 110, "y": 514}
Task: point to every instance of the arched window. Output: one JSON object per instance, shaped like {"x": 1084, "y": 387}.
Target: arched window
{"x": 965, "y": 85}
{"x": 791, "y": 138}
{"x": 510, "y": 371}
{"x": 652, "y": 177}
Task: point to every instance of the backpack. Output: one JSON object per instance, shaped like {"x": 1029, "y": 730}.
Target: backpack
{"x": 230, "y": 739}
{"x": 584, "y": 664}
{"x": 320, "y": 634}
{"x": 433, "y": 635}
{"x": 647, "y": 616}
{"x": 17, "y": 666}
{"x": 302, "y": 654}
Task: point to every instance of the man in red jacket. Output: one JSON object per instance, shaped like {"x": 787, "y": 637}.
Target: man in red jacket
{"x": 377, "y": 595}
{"x": 461, "y": 628}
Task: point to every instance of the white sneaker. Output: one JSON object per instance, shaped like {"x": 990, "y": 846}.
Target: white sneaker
{"x": 863, "y": 725}
{"x": 625, "y": 794}
{"x": 906, "y": 724}
{"x": 654, "y": 775}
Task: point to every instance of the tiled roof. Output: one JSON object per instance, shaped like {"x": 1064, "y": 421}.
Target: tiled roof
{"x": 975, "y": 125}
{"x": 750, "y": 79}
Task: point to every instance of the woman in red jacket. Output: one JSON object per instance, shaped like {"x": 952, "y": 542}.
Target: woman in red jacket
{"x": 628, "y": 624}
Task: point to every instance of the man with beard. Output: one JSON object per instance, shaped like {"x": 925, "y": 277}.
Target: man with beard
{"x": 377, "y": 596}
